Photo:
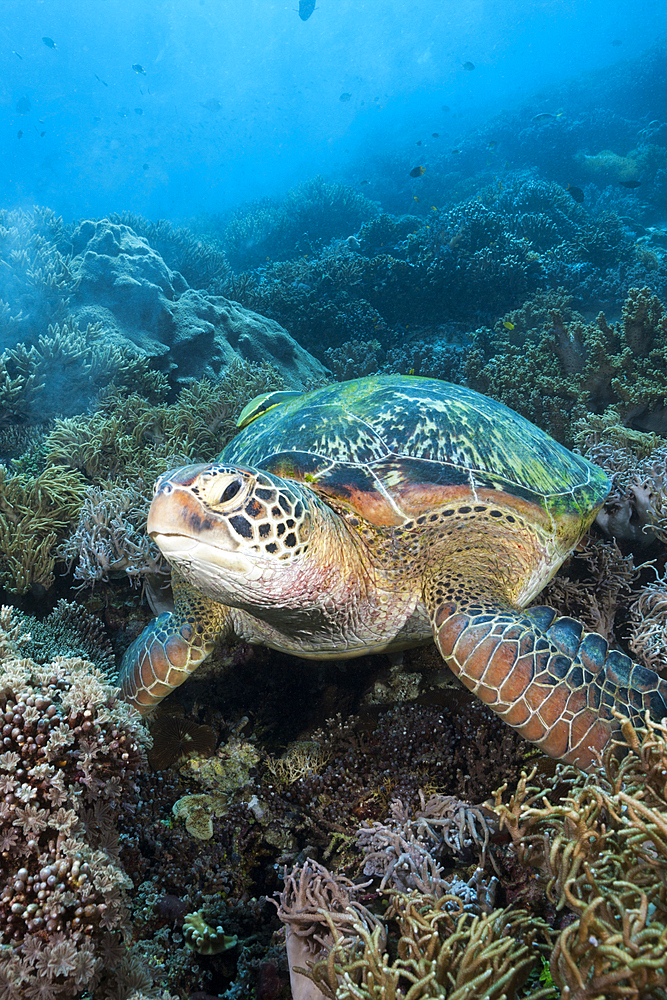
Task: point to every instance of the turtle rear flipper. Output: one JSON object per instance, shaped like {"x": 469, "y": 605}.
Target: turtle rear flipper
{"x": 545, "y": 676}
{"x": 171, "y": 647}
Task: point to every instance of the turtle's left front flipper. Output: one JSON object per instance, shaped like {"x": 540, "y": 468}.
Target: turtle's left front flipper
{"x": 544, "y": 675}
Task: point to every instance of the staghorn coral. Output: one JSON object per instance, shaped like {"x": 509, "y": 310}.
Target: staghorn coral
{"x": 35, "y": 514}
{"x": 601, "y": 845}
{"x": 568, "y": 368}
{"x": 71, "y": 750}
{"x": 36, "y": 282}
{"x": 66, "y": 372}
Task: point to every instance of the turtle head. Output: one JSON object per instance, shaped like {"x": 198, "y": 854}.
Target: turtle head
{"x": 237, "y": 534}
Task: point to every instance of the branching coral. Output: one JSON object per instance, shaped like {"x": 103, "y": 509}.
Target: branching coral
{"x": 602, "y": 848}
{"x": 567, "y": 368}
{"x": 316, "y": 211}
{"x": 65, "y": 372}
{"x": 110, "y": 538}
{"x": 406, "y": 851}
{"x": 36, "y": 281}
{"x": 35, "y": 513}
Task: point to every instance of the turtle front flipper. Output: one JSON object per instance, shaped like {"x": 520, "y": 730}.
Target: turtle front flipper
{"x": 544, "y": 675}
{"x": 171, "y": 647}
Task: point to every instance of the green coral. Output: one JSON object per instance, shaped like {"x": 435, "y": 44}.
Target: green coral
{"x": 600, "y": 842}
{"x": 554, "y": 370}
{"x": 207, "y": 940}
{"x": 35, "y": 514}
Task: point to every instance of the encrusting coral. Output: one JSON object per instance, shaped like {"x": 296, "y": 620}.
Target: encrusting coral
{"x": 71, "y": 751}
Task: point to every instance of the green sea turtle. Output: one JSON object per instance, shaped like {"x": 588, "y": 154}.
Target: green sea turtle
{"x": 375, "y": 515}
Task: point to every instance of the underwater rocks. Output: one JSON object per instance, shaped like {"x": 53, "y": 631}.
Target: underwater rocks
{"x": 125, "y": 284}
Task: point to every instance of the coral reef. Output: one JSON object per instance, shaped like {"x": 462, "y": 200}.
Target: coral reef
{"x": 311, "y": 214}
{"x": 600, "y": 844}
{"x": 68, "y": 631}
{"x": 35, "y": 514}
{"x": 557, "y": 371}
{"x": 71, "y": 751}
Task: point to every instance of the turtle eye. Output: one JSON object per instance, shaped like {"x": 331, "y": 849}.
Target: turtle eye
{"x": 231, "y": 490}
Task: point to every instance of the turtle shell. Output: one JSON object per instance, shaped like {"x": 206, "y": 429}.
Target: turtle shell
{"x": 392, "y": 446}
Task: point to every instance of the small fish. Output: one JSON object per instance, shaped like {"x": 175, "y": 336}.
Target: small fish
{"x": 417, "y": 171}
{"x": 363, "y": 182}
{"x": 50, "y": 44}
{"x": 436, "y": 135}
{"x": 468, "y": 66}
{"x": 101, "y": 81}
{"x": 19, "y": 134}
{"x": 434, "y": 208}
{"x": 456, "y": 152}
{"x": 492, "y": 144}
{"x": 415, "y": 198}
{"x": 508, "y": 325}
{"x": 138, "y": 68}
{"x": 345, "y": 97}
{"x": 17, "y": 55}
{"x": 23, "y": 105}
{"x": 419, "y": 142}
{"x": 544, "y": 116}
{"x": 213, "y": 104}
{"x": 97, "y": 118}
{"x": 576, "y": 193}
{"x": 145, "y": 167}
{"x": 138, "y": 111}
{"x": 630, "y": 184}
{"x": 306, "y": 8}
{"x": 616, "y": 42}
{"x": 446, "y": 107}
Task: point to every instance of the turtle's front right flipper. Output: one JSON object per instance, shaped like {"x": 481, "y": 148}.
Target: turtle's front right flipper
{"x": 544, "y": 675}
{"x": 171, "y": 647}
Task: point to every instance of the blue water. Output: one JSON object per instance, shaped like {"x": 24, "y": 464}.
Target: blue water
{"x": 239, "y": 99}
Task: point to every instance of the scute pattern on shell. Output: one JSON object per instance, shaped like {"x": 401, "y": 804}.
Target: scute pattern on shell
{"x": 369, "y": 421}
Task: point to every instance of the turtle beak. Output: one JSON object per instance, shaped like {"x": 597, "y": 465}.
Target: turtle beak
{"x": 176, "y": 509}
